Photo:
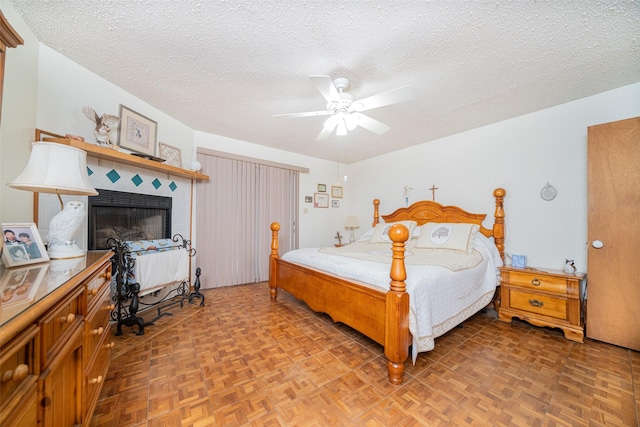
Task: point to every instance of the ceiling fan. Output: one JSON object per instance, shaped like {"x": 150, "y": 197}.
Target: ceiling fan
{"x": 345, "y": 112}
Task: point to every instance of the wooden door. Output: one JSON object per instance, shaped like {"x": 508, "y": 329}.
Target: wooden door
{"x": 613, "y": 290}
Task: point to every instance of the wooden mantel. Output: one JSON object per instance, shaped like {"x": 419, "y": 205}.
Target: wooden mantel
{"x": 128, "y": 159}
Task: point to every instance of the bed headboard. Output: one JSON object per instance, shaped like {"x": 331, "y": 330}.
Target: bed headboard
{"x": 427, "y": 211}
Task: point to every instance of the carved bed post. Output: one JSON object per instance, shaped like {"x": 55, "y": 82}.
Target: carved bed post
{"x": 396, "y": 340}
{"x": 376, "y": 212}
{"x": 498, "y": 225}
{"x": 273, "y": 286}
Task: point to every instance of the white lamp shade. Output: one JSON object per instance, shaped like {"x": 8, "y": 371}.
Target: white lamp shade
{"x": 55, "y": 168}
{"x": 352, "y": 222}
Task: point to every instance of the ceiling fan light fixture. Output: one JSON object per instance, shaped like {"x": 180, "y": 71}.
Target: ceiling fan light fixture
{"x": 345, "y": 112}
{"x": 351, "y": 120}
{"x": 342, "y": 128}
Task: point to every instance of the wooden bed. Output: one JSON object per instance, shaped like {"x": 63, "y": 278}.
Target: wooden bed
{"x": 381, "y": 316}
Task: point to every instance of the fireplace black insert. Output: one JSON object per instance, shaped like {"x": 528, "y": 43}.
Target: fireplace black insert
{"x": 127, "y": 216}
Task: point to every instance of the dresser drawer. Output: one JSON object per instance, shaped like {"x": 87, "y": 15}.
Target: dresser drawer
{"x": 25, "y": 411}
{"x": 61, "y": 321}
{"x": 541, "y": 282}
{"x": 96, "y": 373}
{"x": 97, "y": 323}
{"x": 19, "y": 370}
{"x": 538, "y": 304}
{"x": 97, "y": 284}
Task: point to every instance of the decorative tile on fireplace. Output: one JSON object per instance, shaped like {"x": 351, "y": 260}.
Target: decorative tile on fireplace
{"x": 113, "y": 176}
{"x": 137, "y": 180}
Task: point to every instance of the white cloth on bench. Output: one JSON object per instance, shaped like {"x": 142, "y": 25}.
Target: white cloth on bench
{"x": 155, "y": 270}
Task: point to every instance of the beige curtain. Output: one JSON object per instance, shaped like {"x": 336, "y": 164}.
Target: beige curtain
{"x": 235, "y": 209}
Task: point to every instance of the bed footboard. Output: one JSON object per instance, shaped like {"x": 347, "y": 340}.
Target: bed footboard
{"x": 382, "y": 316}
{"x": 127, "y": 290}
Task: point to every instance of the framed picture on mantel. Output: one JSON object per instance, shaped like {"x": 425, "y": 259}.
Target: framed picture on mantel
{"x": 137, "y": 132}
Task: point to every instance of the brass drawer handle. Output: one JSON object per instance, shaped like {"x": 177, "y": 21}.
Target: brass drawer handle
{"x": 98, "y": 331}
{"x": 16, "y": 375}
{"x": 68, "y": 319}
{"x": 536, "y": 303}
{"x": 97, "y": 380}
{"x": 535, "y": 282}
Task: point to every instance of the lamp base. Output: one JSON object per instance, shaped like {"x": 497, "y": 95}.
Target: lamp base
{"x": 65, "y": 250}
{"x": 352, "y": 237}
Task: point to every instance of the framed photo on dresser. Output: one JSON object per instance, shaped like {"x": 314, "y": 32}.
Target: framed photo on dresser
{"x": 22, "y": 245}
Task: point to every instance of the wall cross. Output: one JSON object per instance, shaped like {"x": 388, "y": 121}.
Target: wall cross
{"x": 433, "y": 192}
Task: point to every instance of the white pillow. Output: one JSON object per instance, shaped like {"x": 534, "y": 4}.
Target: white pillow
{"x": 381, "y": 231}
{"x": 453, "y": 236}
{"x": 367, "y": 235}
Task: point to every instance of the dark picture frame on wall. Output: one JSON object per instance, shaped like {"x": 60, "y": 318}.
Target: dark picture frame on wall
{"x": 137, "y": 132}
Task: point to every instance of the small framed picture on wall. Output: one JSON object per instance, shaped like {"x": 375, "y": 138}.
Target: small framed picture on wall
{"x": 335, "y": 203}
{"x": 336, "y": 192}
{"x": 322, "y": 188}
{"x": 320, "y": 200}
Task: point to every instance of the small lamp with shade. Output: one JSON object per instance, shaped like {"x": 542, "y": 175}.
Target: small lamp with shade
{"x": 59, "y": 169}
{"x": 351, "y": 224}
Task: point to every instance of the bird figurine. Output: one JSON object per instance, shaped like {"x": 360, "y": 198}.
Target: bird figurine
{"x": 63, "y": 228}
{"x": 103, "y": 125}
{"x": 569, "y": 266}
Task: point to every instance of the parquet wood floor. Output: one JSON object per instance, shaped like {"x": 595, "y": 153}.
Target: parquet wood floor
{"x": 244, "y": 361}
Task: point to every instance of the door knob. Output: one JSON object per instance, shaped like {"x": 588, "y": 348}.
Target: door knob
{"x": 597, "y": 244}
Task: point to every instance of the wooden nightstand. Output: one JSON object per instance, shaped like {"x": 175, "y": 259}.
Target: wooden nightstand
{"x": 542, "y": 298}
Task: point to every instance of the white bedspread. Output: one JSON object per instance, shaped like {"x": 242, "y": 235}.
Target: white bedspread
{"x": 156, "y": 270}
{"x": 439, "y": 298}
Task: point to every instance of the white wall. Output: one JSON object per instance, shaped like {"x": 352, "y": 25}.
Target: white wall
{"x": 520, "y": 155}
{"x": 19, "y": 105}
{"x": 64, "y": 88}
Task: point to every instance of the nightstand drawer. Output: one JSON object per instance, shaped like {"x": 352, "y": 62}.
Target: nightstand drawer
{"x": 540, "y": 304}
{"x": 541, "y": 281}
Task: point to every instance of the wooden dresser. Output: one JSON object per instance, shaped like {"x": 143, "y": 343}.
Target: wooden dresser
{"x": 543, "y": 298}
{"x": 54, "y": 340}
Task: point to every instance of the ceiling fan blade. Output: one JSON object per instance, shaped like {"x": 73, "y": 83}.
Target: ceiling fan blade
{"x": 372, "y": 124}
{"x": 328, "y": 127}
{"x": 326, "y": 87}
{"x": 307, "y": 114}
{"x": 389, "y": 97}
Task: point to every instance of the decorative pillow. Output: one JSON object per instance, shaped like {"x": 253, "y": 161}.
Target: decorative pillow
{"x": 453, "y": 236}
{"x": 381, "y": 231}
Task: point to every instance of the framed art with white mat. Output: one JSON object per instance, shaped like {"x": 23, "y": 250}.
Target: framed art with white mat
{"x": 172, "y": 155}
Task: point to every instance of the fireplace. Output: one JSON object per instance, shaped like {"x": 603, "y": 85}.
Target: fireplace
{"x": 127, "y": 216}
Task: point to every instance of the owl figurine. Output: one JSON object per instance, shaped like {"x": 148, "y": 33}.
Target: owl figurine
{"x": 62, "y": 230}
{"x": 103, "y": 125}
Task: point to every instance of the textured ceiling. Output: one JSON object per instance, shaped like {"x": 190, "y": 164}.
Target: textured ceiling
{"x": 225, "y": 67}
